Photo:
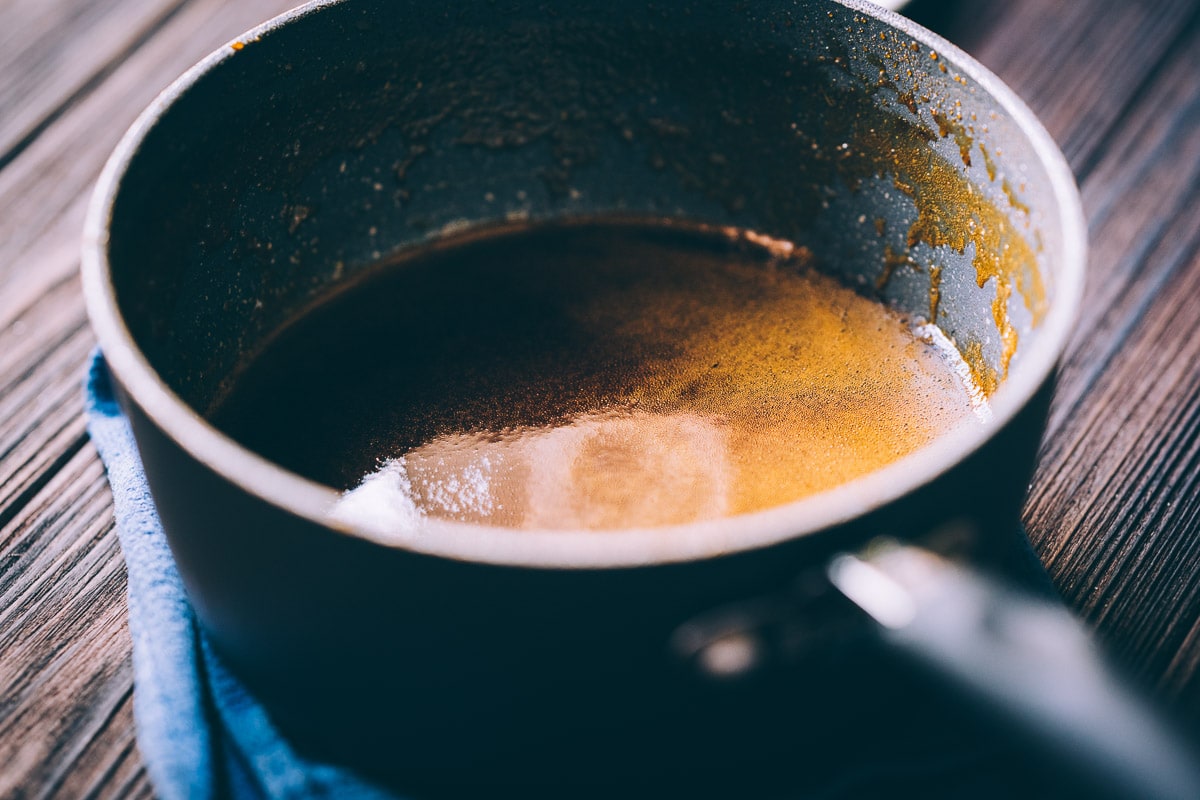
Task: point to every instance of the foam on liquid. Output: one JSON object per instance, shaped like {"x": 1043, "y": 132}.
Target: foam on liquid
{"x": 653, "y": 380}
{"x": 785, "y": 384}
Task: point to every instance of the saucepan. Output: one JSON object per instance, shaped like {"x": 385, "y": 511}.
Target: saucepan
{"x": 715, "y": 654}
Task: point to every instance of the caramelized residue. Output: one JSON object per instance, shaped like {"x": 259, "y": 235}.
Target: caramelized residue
{"x": 987, "y": 162}
{"x": 951, "y": 212}
{"x": 1008, "y": 333}
{"x": 1013, "y": 200}
{"x": 935, "y": 291}
{"x": 597, "y": 376}
{"x": 948, "y": 127}
{"x": 892, "y": 260}
{"x": 981, "y": 371}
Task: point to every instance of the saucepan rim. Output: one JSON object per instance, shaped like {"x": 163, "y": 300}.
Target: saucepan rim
{"x": 567, "y": 549}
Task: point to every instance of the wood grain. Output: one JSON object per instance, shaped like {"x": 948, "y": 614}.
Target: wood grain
{"x": 1113, "y": 505}
{"x": 45, "y": 190}
{"x": 1075, "y": 64}
{"x": 66, "y": 668}
{"x": 62, "y": 51}
{"x": 1114, "y": 508}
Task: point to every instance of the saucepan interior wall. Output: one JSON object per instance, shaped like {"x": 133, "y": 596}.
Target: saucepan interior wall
{"x": 312, "y": 152}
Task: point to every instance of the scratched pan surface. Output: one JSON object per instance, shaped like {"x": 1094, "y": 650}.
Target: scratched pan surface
{"x": 292, "y": 161}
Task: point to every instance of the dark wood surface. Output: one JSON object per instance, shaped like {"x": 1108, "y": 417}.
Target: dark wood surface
{"x": 1114, "y": 509}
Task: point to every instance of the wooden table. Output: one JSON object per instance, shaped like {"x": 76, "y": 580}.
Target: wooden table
{"x": 1114, "y": 509}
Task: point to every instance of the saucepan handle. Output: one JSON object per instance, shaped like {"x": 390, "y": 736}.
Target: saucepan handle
{"x": 1024, "y": 659}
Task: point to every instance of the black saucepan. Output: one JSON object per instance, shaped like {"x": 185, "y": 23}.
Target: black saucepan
{"x": 344, "y": 132}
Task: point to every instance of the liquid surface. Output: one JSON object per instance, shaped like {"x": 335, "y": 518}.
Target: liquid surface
{"x": 601, "y": 377}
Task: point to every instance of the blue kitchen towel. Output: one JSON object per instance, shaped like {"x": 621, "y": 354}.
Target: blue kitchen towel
{"x": 201, "y": 734}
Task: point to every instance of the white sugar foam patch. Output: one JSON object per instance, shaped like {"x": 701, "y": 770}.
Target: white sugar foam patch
{"x": 601, "y": 470}
{"x": 933, "y": 335}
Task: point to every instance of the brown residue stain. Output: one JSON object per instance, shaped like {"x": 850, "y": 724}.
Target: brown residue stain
{"x": 935, "y": 291}
{"x": 891, "y": 260}
{"x": 880, "y": 226}
{"x": 949, "y": 127}
{"x": 1013, "y": 200}
{"x": 1001, "y": 253}
{"x": 1008, "y": 334}
{"x": 981, "y": 371}
{"x": 294, "y": 215}
{"x": 953, "y": 213}
{"x": 988, "y": 163}
{"x": 852, "y": 141}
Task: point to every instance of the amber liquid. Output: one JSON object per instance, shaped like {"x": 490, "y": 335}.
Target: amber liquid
{"x": 597, "y": 376}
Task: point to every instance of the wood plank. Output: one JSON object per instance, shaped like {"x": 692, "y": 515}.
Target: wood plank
{"x": 1077, "y": 65}
{"x": 110, "y": 765}
{"x": 46, "y": 340}
{"x": 41, "y": 399}
{"x": 1134, "y": 196}
{"x": 1112, "y": 507}
{"x": 51, "y": 54}
{"x": 1126, "y": 556}
{"x": 65, "y": 668}
{"x": 44, "y": 190}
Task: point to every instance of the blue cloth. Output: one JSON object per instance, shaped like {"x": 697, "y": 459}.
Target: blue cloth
{"x": 199, "y": 731}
